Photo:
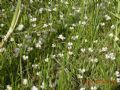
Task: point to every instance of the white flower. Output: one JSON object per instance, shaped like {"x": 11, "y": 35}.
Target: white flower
{"x": 90, "y": 49}
{"x": 61, "y": 37}
{"x": 34, "y": 88}
{"x": 104, "y": 49}
{"x": 34, "y": 25}
{"x": 31, "y": 1}
{"x": 83, "y": 49}
{"x": 34, "y": 19}
{"x": 61, "y": 16}
{"x": 53, "y": 45}
{"x": 86, "y": 40}
{"x": 74, "y": 37}
{"x": 93, "y": 88}
{"x": 25, "y": 57}
{"x": 11, "y": 39}
{"x": 81, "y": 70}
{"x": 45, "y": 25}
{"x": 116, "y": 38}
{"x": 111, "y": 35}
{"x": 2, "y": 50}
{"x": 107, "y": 17}
{"x": 95, "y": 41}
{"x": 47, "y": 59}
{"x": 60, "y": 54}
{"x": 9, "y": 87}
{"x": 41, "y": 10}
{"x": 20, "y": 27}
{"x": 43, "y": 85}
{"x": 94, "y": 60}
{"x": 79, "y": 76}
{"x": 66, "y": 3}
{"x": 55, "y": 9}
{"x": 70, "y": 53}
{"x": 35, "y": 66}
{"x": 2, "y": 25}
{"x": 25, "y": 81}
{"x": 38, "y": 73}
{"x": 70, "y": 44}
{"x": 82, "y": 88}
{"x": 29, "y": 49}
{"x": 83, "y": 23}
{"x": 118, "y": 80}
{"x": 110, "y": 56}
{"x": 102, "y": 24}
{"x": 113, "y": 27}
{"x": 117, "y": 73}
{"x": 39, "y": 44}
{"x": 71, "y": 28}
{"x": 85, "y": 17}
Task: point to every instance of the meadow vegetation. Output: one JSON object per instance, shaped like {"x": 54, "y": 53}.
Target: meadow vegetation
{"x": 60, "y": 45}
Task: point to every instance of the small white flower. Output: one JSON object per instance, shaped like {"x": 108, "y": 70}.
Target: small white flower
{"x": 85, "y": 17}
{"x": 20, "y": 27}
{"x": 107, "y": 17}
{"x": 111, "y": 35}
{"x": 71, "y": 28}
{"x": 93, "y": 88}
{"x": 47, "y": 59}
{"x": 104, "y": 49}
{"x": 43, "y": 85}
{"x": 94, "y": 60}
{"x": 77, "y": 10}
{"x": 41, "y": 10}
{"x": 55, "y": 9}
{"x": 118, "y": 80}
{"x": 79, "y": 76}
{"x": 74, "y": 37}
{"x": 61, "y": 16}
{"x": 9, "y": 87}
{"x": 2, "y": 25}
{"x": 60, "y": 54}
{"x": 70, "y": 44}
{"x": 82, "y": 49}
{"x": 61, "y": 37}
{"x": 2, "y": 50}
{"x": 117, "y": 73}
{"x": 83, "y": 23}
{"x": 45, "y": 25}
{"x": 70, "y": 53}
{"x": 31, "y": 1}
{"x": 35, "y": 66}
{"x": 95, "y": 41}
{"x": 34, "y": 88}
{"x": 33, "y": 19}
{"x": 34, "y": 25}
{"x": 11, "y": 39}
{"x": 86, "y": 40}
{"x": 116, "y": 38}
{"x": 110, "y": 56}
{"x": 81, "y": 70}
{"x": 53, "y": 45}
{"x": 66, "y": 3}
{"x": 25, "y": 81}
{"x": 113, "y": 27}
{"x": 90, "y": 49}
{"x": 102, "y": 24}
{"x": 38, "y": 73}
{"x": 82, "y": 88}
{"x": 25, "y": 57}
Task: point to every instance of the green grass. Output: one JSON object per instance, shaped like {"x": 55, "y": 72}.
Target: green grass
{"x": 35, "y": 51}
